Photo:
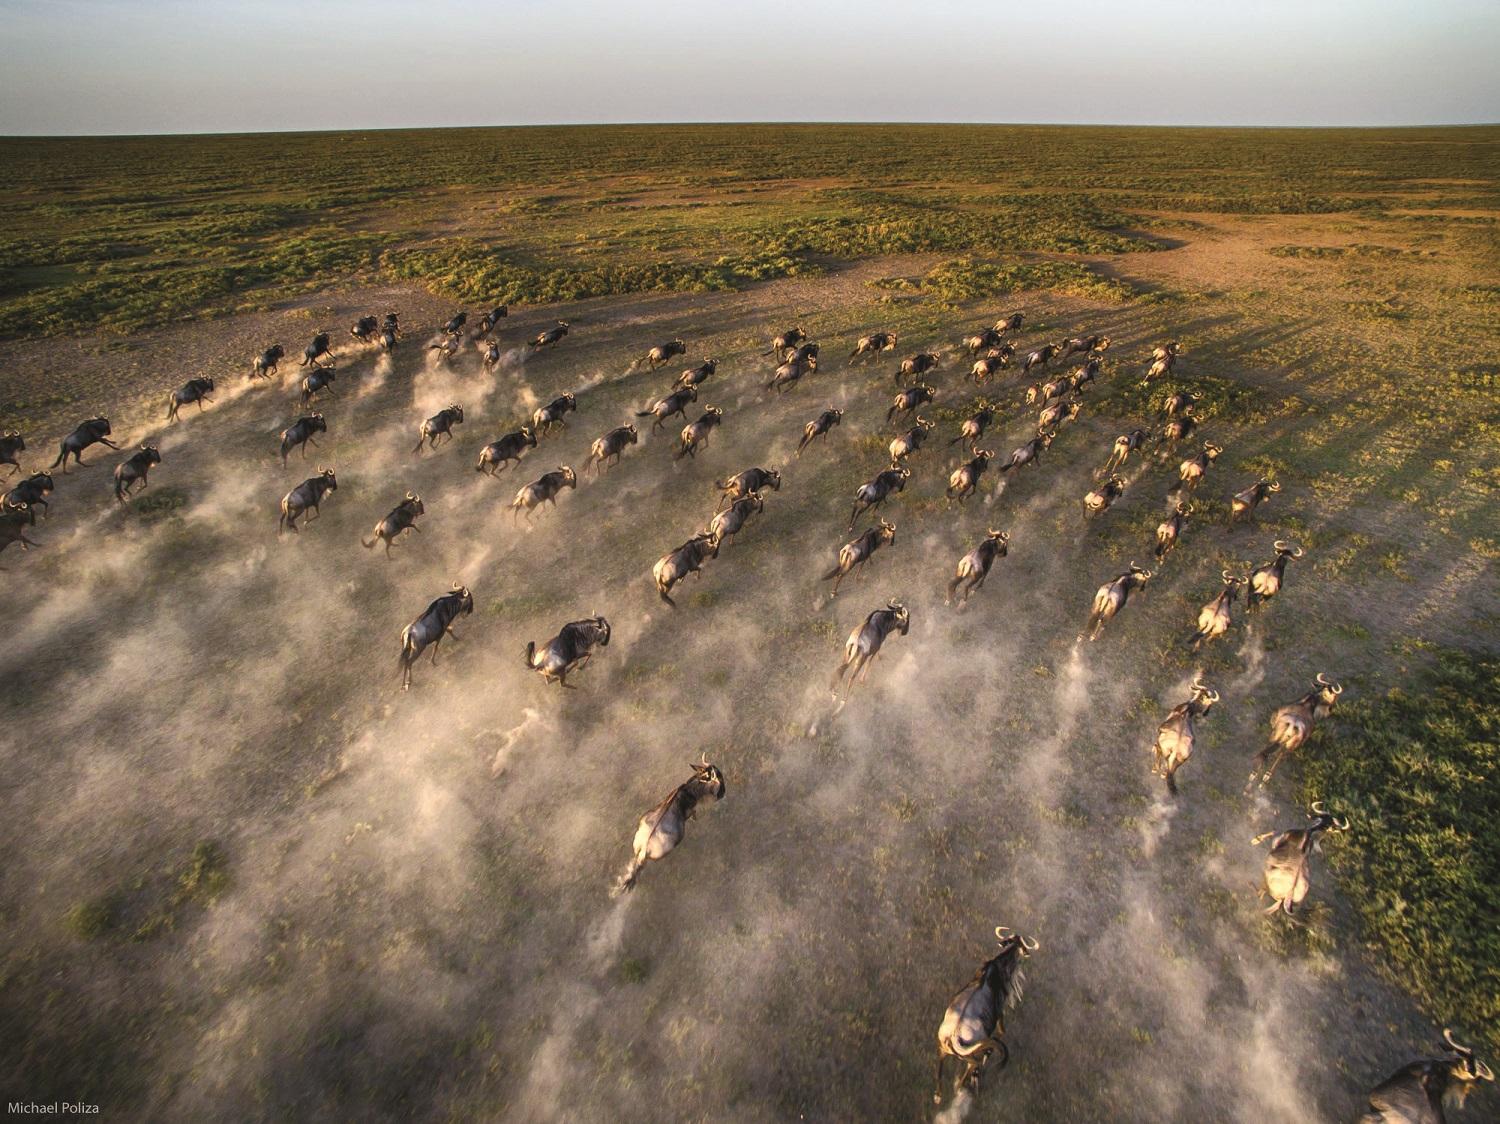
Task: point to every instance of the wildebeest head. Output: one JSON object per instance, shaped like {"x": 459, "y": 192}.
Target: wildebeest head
{"x": 713, "y": 411}
{"x": 326, "y": 475}
{"x": 903, "y": 618}
{"x": 570, "y": 478}
{"x": 316, "y": 423}
{"x": 1001, "y": 537}
{"x": 708, "y": 779}
{"x": 99, "y": 427}
{"x": 1204, "y": 695}
{"x": 465, "y": 598}
{"x": 528, "y": 435}
{"x": 1327, "y": 689}
{"x": 1464, "y": 1069}
{"x": 887, "y": 532}
{"x": 152, "y": 454}
{"x": 414, "y": 504}
{"x": 603, "y": 626}
{"x": 456, "y": 411}
{"x": 1211, "y": 451}
{"x": 1287, "y": 550}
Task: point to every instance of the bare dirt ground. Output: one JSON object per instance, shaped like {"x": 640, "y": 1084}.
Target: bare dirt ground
{"x": 414, "y": 920}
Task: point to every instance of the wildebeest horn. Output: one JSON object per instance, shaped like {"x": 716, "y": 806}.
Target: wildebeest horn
{"x": 1298, "y": 552}
{"x": 1317, "y": 808}
{"x": 410, "y": 496}
{"x": 702, "y": 763}
{"x": 1002, "y": 933}
{"x": 1279, "y": 546}
{"x": 1462, "y": 1051}
{"x": 1030, "y": 944}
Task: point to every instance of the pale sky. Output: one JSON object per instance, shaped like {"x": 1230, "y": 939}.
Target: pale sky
{"x": 145, "y": 66}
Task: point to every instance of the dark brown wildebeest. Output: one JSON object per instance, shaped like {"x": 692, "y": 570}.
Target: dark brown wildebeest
{"x": 306, "y": 496}
{"x": 497, "y": 455}
{"x": 1420, "y": 1091}
{"x": 974, "y": 567}
{"x": 95, "y": 431}
{"x": 402, "y": 519}
{"x": 136, "y": 467}
{"x": 973, "y": 1026}
{"x": 818, "y": 427}
{"x": 661, "y": 829}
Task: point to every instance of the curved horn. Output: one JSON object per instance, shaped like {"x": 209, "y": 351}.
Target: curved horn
{"x": 703, "y": 761}
{"x": 411, "y": 495}
{"x": 1002, "y": 933}
{"x": 1030, "y": 944}
{"x": 1298, "y": 552}
{"x": 1462, "y": 1051}
{"x": 1317, "y": 808}
{"x": 1279, "y": 545}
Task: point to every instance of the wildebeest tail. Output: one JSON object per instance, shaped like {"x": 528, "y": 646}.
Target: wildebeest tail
{"x": 644, "y": 413}
{"x": 370, "y": 544}
{"x": 627, "y": 879}
{"x": 530, "y": 652}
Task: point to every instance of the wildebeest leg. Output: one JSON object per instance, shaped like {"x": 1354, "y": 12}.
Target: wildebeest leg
{"x": 937, "y": 1083}
{"x": 1271, "y": 772}
{"x": 315, "y": 513}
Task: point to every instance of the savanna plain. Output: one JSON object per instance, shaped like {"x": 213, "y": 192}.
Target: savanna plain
{"x": 248, "y": 877}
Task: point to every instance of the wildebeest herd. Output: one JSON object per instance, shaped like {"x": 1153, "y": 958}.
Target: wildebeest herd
{"x": 972, "y": 1027}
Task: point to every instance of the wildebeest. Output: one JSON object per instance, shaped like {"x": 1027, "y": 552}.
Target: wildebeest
{"x": 365, "y": 328}
{"x": 1112, "y": 596}
{"x": 14, "y": 519}
{"x": 1039, "y": 358}
{"x": 662, "y": 828}
{"x": 804, "y": 353}
{"x": 912, "y": 440}
{"x": 402, "y": 518}
{"x": 746, "y": 483}
{"x": 1125, "y": 444}
{"x": 391, "y": 323}
{"x": 661, "y": 353}
{"x": 1163, "y": 359}
{"x": 429, "y": 629}
{"x": 879, "y": 488}
{"x": 455, "y": 324}
{"x": 316, "y": 381}
{"x": 440, "y": 425}
{"x": 1421, "y": 1091}
{"x": 909, "y": 399}
{"x": 694, "y": 435}
{"x": 1288, "y": 873}
{"x": 1029, "y": 452}
{"x": 992, "y": 364}
{"x": 1057, "y": 413}
{"x": 913, "y": 366}
{"x": 788, "y": 375}
{"x": 446, "y": 348}
{"x": 314, "y": 352}
{"x": 1083, "y": 345}
{"x": 973, "y": 1025}
{"x": 729, "y": 522}
{"x": 31, "y": 493}
{"x": 1011, "y": 323}
{"x": 965, "y": 478}
{"x": 872, "y": 345}
{"x": 983, "y": 340}
{"x": 194, "y": 390}
{"x": 1178, "y": 429}
{"x": 95, "y": 431}
{"x": 1243, "y": 505}
{"x": 789, "y": 338}
{"x": 1085, "y": 375}
{"x": 1175, "y": 736}
{"x": 491, "y": 358}
{"x": 570, "y": 650}
{"x": 1170, "y": 529}
{"x": 549, "y": 337}
{"x": 554, "y": 413}
{"x": 265, "y": 363}
{"x": 388, "y": 338}
{"x": 667, "y": 405}
{"x": 975, "y": 424}
{"x": 1266, "y": 579}
{"x": 491, "y": 319}
{"x": 306, "y": 496}
{"x": 497, "y": 455}
{"x": 1191, "y": 471}
{"x": 865, "y": 642}
{"x": 1291, "y": 725}
{"x": 544, "y": 489}
{"x": 974, "y": 566}
{"x": 608, "y": 449}
{"x": 818, "y": 427}
{"x": 136, "y": 467}
{"x": 300, "y": 432}
{"x": 1102, "y": 498}
{"x": 12, "y": 445}
{"x": 695, "y": 376}
{"x": 853, "y": 555}
{"x": 677, "y": 564}
{"x": 1178, "y": 402}
{"x": 1215, "y": 618}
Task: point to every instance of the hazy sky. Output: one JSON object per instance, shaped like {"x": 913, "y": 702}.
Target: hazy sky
{"x": 127, "y": 66}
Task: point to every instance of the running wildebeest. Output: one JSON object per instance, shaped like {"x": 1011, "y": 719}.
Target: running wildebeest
{"x": 1086, "y": 374}
{"x": 1083, "y": 345}
{"x": 549, "y": 337}
{"x": 95, "y": 431}
{"x": 31, "y": 493}
{"x": 194, "y": 390}
{"x": 912, "y": 440}
{"x": 403, "y": 518}
{"x": 306, "y": 496}
{"x": 694, "y": 435}
{"x": 1178, "y": 429}
{"x": 1112, "y": 597}
{"x": 570, "y": 650}
{"x": 746, "y": 483}
{"x": 365, "y": 328}
{"x": 788, "y": 375}
{"x": 667, "y": 405}
{"x": 1215, "y": 618}
{"x": 265, "y": 363}
{"x": 974, "y": 567}
{"x": 316, "y": 381}
{"x": 789, "y": 338}
{"x": 455, "y": 324}
{"x": 391, "y": 323}
{"x": 1175, "y": 736}
{"x": 910, "y": 399}
{"x": 1170, "y": 528}
{"x": 865, "y": 642}
{"x": 677, "y": 564}
{"x": 491, "y": 358}
{"x": 1054, "y": 388}
{"x": 554, "y": 413}
{"x": 1163, "y": 359}
{"x": 387, "y": 339}
{"x": 1242, "y": 506}
{"x": 12, "y": 445}
{"x": 446, "y": 348}
{"x": 1420, "y": 1092}
{"x": 1125, "y": 444}
{"x": 879, "y": 488}
{"x": 315, "y": 351}
{"x": 804, "y": 353}
{"x": 1029, "y": 452}
{"x": 1291, "y": 725}
{"x": 872, "y": 345}
{"x": 1058, "y": 413}
{"x": 491, "y": 319}
{"x": 1266, "y": 579}
{"x": 661, "y": 353}
{"x": 300, "y": 432}
{"x": 965, "y": 478}
{"x": 992, "y": 364}
{"x": 916, "y": 365}
{"x": 544, "y": 489}
{"x": 818, "y": 427}
{"x": 1191, "y": 471}
{"x": 14, "y": 519}
{"x": 1102, "y": 498}
{"x": 136, "y": 467}
{"x": 1011, "y": 323}
{"x": 662, "y": 828}
{"x": 1041, "y": 357}
{"x": 973, "y": 1025}
{"x": 985, "y": 339}
{"x": 1288, "y": 873}
{"x": 439, "y": 425}
{"x": 729, "y": 522}
{"x": 608, "y": 449}
{"x": 853, "y": 555}
{"x": 1178, "y": 402}
{"x": 695, "y": 376}
{"x": 429, "y": 629}
{"x": 497, "y": 455}
{"x": 975, "y": 424}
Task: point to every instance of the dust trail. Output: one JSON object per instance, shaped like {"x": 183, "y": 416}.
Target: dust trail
{"x": 958, "y": 1110}
{"x": 530, "y": 732}
{"x": 1252, "y": 655}
{"x": 375, "y": 381}
{"x": 1158, "y": 822}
